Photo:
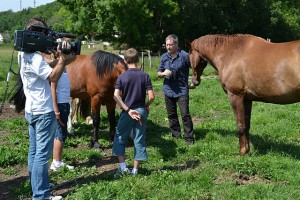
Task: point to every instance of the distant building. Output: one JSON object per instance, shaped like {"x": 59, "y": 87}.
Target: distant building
{"x": 4, "y": 37}
{"x": 106, "y": 43}
{"x": 91, "y": 45}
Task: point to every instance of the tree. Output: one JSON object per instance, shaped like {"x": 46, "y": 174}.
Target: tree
{"x": 11, "y": 21}
{"x": 136, "y": 23}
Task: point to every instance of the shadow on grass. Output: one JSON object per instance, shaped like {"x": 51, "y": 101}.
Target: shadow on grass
{"x": 8, "y": 187}
{"x": 154, "y": 138}
{"x": 190, "y": 164}
{"x": 69, "y": 186}
{"x": 262, "y": 145}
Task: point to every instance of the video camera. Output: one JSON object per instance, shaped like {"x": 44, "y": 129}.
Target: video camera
{"x": 43, "y": 39}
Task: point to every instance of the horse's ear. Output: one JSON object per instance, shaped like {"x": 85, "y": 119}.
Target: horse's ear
{"x": 187, "y": 44}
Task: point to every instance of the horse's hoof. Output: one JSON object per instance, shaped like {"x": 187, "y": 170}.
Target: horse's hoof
{"x": 71, "y": 131}
{"x": 192, "y": 86}
{"x": 244, "y": 151}
{"x": 96, "y": 145}
{"x": 89, "y": 120}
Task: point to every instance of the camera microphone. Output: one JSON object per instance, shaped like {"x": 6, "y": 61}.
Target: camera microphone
{"x": 66, "y": 35}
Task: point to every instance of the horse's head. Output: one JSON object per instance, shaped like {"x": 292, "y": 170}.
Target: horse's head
{"x": 198, "y": 63}
{"x": 120, "y": 66}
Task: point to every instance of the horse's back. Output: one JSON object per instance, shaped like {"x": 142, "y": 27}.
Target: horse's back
{"x": 93, "y": 75}
{"x": 260, "y": 70}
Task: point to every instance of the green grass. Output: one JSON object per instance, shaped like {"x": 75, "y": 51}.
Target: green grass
{"x": 209, "y": 169}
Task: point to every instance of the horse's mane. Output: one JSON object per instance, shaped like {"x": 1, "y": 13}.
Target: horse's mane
{"x": 104, "y": 61}
{"x": 210, "y": 42}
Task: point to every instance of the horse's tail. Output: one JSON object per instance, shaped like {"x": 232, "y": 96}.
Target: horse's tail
{"x": 85, "y": 108}
{"x": 18, "y": 97}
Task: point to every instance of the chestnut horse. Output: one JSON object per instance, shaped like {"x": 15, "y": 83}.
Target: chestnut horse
{"x": 92, "y": 80}
{"x": 250, "y": 69}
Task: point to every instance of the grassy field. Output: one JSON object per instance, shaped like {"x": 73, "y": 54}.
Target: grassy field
{"x": 209, "y": 169}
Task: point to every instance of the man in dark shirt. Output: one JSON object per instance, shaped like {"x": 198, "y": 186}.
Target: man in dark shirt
{"x": 174, "y": 68}
{"x": 130, "y": 93}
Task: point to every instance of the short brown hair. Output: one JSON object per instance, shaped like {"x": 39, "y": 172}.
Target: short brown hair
{"x": 131, "y": 56}
{"x": 35, "y": 21}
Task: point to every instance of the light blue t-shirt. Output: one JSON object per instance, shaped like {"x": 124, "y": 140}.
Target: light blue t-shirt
{"x": 63, "y": 89}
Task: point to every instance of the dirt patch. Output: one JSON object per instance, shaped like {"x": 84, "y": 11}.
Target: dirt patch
{"x": 10, "y": 182}
{"x": 197, "y": 120}
{"x": 8, "y": 111}
{"x": 242, "y": 179}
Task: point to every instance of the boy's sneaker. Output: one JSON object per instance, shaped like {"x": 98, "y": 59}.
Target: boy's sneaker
{"x": 120, "y": 173}
{"x": 134, "y": 171}
{"x": 52, "y": 197}
{"x": 55, "y": 167}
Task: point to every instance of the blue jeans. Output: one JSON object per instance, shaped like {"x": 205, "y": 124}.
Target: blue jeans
{"x": 41, "y": 137}
{"x": 125, "y": 125}
{"x": 62, "y": 131}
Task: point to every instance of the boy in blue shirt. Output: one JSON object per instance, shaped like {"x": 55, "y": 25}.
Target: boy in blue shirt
{"x": 130, "y": 94}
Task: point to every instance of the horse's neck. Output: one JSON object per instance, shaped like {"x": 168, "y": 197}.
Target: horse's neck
{"x": 215, "y": 49}
{"x": 215, "y": 59}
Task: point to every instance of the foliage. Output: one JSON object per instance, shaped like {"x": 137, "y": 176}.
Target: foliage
{"x": 112, "y": 20}
{"x": 264, "y": 18}
{"x": 11, "y": 21}
{"x": 285, "y": 17}
{"x": 189, "y": 19}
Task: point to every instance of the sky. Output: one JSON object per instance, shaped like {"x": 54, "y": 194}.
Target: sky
{"x": 15, "y": 5}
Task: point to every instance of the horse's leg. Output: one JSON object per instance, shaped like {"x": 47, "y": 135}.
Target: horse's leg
{"x": 248, "y": 109}
{"x": 76, "y": 109}
{"x": 237, "y": 103}
{"x": 69, "y": 124}
{"x": 111, "y": 109}
{"x": 96, "y": 105}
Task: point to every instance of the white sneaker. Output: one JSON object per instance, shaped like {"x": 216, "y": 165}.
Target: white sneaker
{"x": 55, "y": 167}
{"x": 119, "y": 173}
{"x": 53, "y": 198}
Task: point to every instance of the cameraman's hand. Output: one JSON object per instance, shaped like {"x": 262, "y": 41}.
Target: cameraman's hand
{"x": 67, "y": 58}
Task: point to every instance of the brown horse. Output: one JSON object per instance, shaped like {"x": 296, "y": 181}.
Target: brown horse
{"x": 250, "y": 69}
{"x": 92, "y": 79}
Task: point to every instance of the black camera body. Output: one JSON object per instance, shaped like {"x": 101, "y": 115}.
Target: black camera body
{"x": 43, "y": 41}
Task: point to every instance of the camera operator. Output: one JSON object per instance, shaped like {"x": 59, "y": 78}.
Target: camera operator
{"x": 36, "y": 73}
{"x": 174, "y": 68}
